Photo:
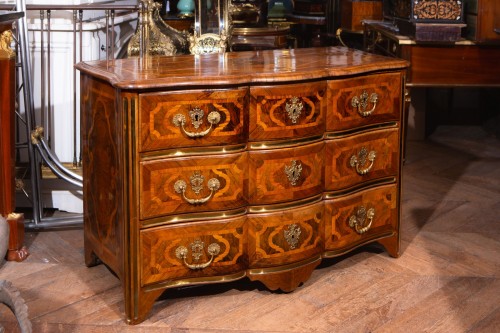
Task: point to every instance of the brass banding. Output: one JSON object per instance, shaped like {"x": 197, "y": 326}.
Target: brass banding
{"x": 284, "y": 143}
{"x": 282, "y": 206}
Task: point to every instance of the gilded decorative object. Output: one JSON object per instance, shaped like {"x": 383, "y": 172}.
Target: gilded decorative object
{"x": 293, "y": 172}
{"x": 36, "y": 135}
{"x": 196, "y": 115}
{"x": 197, "y": 248}
{"x": 251, "y": 13}
{"x": 212, "y": 27}
{"x": 208, "y": 43}
{"x": 294, "y": 108}
{"x": 154, "y": 36}
{"x": 359, "y": 161}
{"x": 5, "y": 40}
{"x": 361, "y": 103}
{"x": 362, "y": 220}
{"x": 196, "y": 180}
{"x": 292, "y": 235}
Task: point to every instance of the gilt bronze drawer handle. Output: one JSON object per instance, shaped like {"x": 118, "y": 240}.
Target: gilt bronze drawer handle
{"x": 294, "y": 108}
{"x": 359, "y": 161}
{"x": 196, "y": 253}
{"x": 362, "y": 220}
{"x": 361, "y": 103}
{"x": 196, "y": 116}
{"x": 293, "y": 172}
{"x": 197, "y": 179}
{"x": 292, "y": 235}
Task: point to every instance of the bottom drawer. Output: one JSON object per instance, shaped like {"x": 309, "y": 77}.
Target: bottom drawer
{"x": 283, "y": 237}
{"x": 193, "y": 250}
{"x": 360, "y": 217}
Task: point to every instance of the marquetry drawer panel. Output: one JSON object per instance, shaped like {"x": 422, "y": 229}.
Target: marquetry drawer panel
{"x": 365, "y": 215}
{"x": 285, "y": 236}
{"x": 192, "y": 250}
{"x": 352, "y": 160}
{"x": 277, "y": 175}
{"x": 363, "y": 101}
{"x": 287, "y": 111}
{"x": 192, "y": 184}
{"x": 192, "y": 118}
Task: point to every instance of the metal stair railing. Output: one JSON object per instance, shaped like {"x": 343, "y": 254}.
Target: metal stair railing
{"x": 38, "y": 149}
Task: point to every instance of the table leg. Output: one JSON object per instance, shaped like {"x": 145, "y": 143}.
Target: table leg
{"x": 17, "y": 251}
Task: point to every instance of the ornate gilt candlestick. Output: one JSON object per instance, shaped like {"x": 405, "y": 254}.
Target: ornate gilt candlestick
{"x": 154, "y": 36}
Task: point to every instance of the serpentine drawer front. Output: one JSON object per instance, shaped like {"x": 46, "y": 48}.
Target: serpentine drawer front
{"x": 205, "y": 169}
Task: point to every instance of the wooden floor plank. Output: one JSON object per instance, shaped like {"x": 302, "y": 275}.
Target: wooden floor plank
{"x": 446, "y": 280}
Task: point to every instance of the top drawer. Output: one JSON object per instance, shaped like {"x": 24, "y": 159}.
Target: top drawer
{"x": 287, "y": 111}
{"x": 192, "y": 118}
{"x": 363, "y": 101}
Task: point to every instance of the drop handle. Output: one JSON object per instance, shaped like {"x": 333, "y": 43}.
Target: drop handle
{"x": 362, "y": 219}
{"x": 359, "y": 161}
{"x": 196, "y": 115}
{"x": 362, "y": 102}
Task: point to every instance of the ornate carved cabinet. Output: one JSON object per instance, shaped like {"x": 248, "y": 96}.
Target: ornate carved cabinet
{"x": 206, "y": 169}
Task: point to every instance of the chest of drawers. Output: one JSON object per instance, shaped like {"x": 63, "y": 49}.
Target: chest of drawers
{"x": 207, "y": 169}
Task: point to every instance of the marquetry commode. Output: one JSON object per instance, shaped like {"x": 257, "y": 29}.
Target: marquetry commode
{"x": 206, "y": 169}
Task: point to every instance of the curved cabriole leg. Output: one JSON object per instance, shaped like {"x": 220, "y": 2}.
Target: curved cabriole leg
{"x": 391, "y": 245}
{"x": 286, "y": 280}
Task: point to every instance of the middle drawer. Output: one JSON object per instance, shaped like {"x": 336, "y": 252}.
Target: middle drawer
{"x": 287, "y": 111}
{"x": 192, "y": 184}
{"x": 286, "y": 174}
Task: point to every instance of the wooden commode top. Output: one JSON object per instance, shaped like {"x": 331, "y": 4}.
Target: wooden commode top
{"x": 270, "y": 66}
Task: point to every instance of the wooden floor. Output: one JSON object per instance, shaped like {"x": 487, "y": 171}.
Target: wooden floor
{"x": 447, "y": 279}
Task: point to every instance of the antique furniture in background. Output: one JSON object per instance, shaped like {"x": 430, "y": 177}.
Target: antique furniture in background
{"x": 253, "y": 31}
{"x": 483, "y": 21}
{"x": 260, "y": 38}
{"x": 427, "y": 20}
{"x": 353, "y": 12}
{"x": 16, "y": 250}
{"x": 207, "y": 169}
{"x": 460, "y": 64}
{"x": 248, "y": 13}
